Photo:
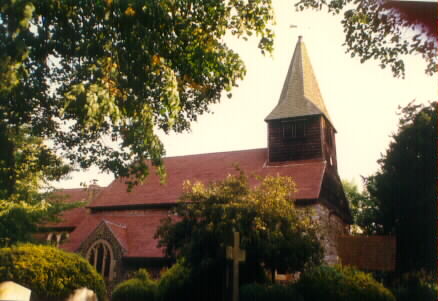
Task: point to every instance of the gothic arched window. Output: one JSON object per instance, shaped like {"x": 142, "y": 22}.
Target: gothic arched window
{"x": 100, "y": 255}
{"x": 53, "y": 238}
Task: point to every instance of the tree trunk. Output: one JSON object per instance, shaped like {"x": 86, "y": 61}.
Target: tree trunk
{"x": 7, "y": 163}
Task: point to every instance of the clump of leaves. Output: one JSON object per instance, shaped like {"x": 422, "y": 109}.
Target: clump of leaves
{"x": 49, "y": 272}
{"x": 274, "y": 233}
{"x": 139, "y": 288}
{"x": 340, "y": 283}
{"x": 101, "y": 77}
{"x": 376, "y": 30}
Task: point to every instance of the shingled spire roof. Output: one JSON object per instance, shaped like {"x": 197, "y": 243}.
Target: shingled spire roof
{"x": 300, "y": 95}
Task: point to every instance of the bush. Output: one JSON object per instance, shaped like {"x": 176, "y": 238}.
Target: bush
{"x": 341, "y": 284}
{"x": 140, "y": 288}
{"x": 259, "y": 292}
{"x": 48, "y": 271}
{"x": 416, "y": 286}
{"x": 175, "y": 284}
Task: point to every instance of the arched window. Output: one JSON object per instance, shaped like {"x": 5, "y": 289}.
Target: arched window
{"x": 100, "y": 255}
{"x": 57, "y": 238}
{"x": 53, "y": 238}
{"x": 63, "y": 237}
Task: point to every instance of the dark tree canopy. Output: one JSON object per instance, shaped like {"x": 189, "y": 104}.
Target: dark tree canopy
{"x": 99, "y": 77}
{"x": 400, "y": 199}
{"x": 383, "y": 31}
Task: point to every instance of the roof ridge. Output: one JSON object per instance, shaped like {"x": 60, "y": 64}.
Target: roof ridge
{"x": 69, "y": 189}
{"x": 115, "y": 224}
{"x": 219, "y": 152}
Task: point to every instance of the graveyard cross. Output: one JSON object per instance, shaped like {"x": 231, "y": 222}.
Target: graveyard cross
{"x": 237, "y": 255}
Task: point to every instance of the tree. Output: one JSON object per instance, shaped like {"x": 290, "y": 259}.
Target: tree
{"x": 25, "y": 173}
{"x": 275, "y": 234}
{"x": 99, "y": 77}
{"x": 403, "y": 191}
{"x": 378, "y": 30}
{"x": 367, "y": 218}
{"x": 91, "y": 81}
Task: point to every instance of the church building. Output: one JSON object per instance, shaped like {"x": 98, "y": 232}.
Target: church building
{"x": 115, "y": 231}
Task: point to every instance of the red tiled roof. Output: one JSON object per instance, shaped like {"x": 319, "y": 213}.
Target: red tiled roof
{"x": 207, "y": 168}
{"x": 72, "y": 195}
{"x": 81, "y": 232}
{"x": 119, "y": 232}
{"x": 135, "y": 233}
{"x": 70, "y": 218}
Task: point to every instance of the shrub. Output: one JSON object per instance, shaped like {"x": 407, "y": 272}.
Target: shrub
{"x": 140, "y": 288}
{"x": 341, "y": 284}
{"x": 143, "y": 275}
{"x": 259, "y": 292}
{"x": 48, "y": 271}
{"x": 416, "y": 286}
{"x": 175, "y": 284}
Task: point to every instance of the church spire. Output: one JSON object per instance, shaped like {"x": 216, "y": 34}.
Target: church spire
{"x": 300, "y": 95}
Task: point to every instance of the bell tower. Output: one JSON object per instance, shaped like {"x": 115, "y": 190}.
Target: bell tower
{"x": 299, "y": 127}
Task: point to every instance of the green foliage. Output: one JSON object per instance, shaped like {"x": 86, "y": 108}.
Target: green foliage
{"x": 416, "y": 286}
{"x": 81, "y": 73}
{"x": 19, "y": 221}
{"x": 26, "y": 167}
{"x": 374, "y": 31}
{"x": 49, "y": 272}
{"x": 364, "y": 210}
{"x": 403, "y": 191}
{"x": 274, "y": 233}
{"x": 135, "y": 290}
{"x": 400, "y": 199}
{"x": 341, "y": 284}
{"x": 259, "y": 292}
{"x": 140, "y": 288}
{"x": 272, "y": 230}
{"x": 175, "y": 284}
{"x": 143, "y": 275}
{"x": 77, "y": 73}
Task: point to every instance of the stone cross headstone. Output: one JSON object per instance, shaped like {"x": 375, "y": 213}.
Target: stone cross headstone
{"x": 82, "y": 294}
{"x": 237, "y": 255}
{"x": 12, "y": 291}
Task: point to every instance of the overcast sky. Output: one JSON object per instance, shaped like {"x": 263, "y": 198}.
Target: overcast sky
{"x": 362, "y": 99}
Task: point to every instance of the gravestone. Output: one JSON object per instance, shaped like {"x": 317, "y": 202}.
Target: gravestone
{"x": 82, "y": 294}
{"x": 12, "y": 291}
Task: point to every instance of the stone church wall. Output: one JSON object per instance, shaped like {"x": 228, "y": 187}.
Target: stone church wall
{"x": 331, "y": 227}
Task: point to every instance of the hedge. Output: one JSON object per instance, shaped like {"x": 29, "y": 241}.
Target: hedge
{"x": 48, "y": 271}
{"x": 277, "y": 292}
{"x": 175, "y": 284}
{"x": 416, "y": 286}
{"x": 140, "y": 288}
{"x": 341, "y": 284}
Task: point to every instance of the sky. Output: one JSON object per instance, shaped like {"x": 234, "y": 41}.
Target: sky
{"x": 362, "y": 99}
